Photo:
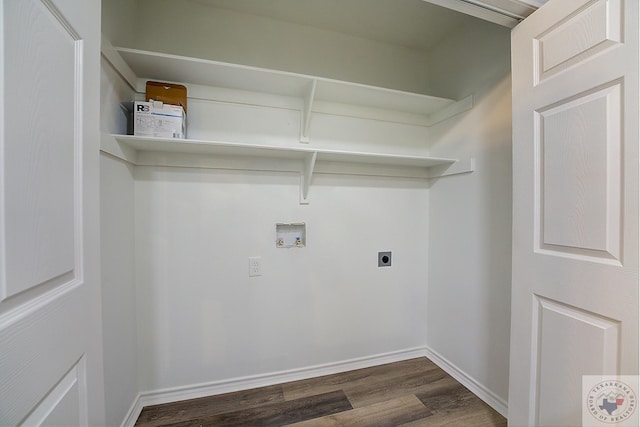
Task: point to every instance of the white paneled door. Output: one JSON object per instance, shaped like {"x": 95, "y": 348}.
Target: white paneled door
{"x": 50, "y": 331}
{"x": 575, "y": 215}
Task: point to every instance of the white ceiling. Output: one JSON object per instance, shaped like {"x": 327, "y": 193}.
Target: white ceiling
{"x": 416, "y": 24}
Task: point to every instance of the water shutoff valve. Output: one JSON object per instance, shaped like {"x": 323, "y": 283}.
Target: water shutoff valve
{"x": 291, "y": 235}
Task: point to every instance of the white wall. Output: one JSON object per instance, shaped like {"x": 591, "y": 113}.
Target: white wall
{"x": 200, "y": 318}
{"x": 118, "y": 290}
{"x": 468, "y": 305}
{"x": 190, "y": 28}
{"x": 119, "y": 21}
{"x": 203, "y": 319}
{"x": 117, "y": 259}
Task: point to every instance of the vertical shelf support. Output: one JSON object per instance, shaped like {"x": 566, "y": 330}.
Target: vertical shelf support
{"x": 305, "y": 177}
{"x": 305, "y": 117}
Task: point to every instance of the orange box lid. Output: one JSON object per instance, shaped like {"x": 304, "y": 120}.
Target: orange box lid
{"x": 169, "y": 93}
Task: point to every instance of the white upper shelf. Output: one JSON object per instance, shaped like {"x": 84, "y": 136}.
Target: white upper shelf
{"x": 160, "y": 66}
{"x": 319, "y": 94}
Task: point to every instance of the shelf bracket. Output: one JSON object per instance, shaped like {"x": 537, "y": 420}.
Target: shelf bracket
{"x": 461, "y": 166}
{"x": 119, "y": 65}
{"x": 305, "y": 177}
{"x": 454, "y": 109}
{"x": 111, "y": 146}
{"x": 305, "y": 117}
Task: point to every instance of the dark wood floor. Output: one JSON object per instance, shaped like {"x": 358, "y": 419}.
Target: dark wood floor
{"x": 409, "y": 393}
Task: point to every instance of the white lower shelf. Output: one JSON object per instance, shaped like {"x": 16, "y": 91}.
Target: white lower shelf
{"x": 303, "y": 159}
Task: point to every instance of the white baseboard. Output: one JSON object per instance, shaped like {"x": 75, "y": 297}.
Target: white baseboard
{"x": 157, "y": 397}
{"x": 133, "y": 414}
{"x": 489, "y": 397}
{"x": 195, "y": 391}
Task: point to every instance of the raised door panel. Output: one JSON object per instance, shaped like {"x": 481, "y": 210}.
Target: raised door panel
{"x": 41, "y": 143}
{"x": 582, "y": 34}
{"x": 64, "y": 405}
{"x": 578, "y": 175}
{"x": 568, "y": 343}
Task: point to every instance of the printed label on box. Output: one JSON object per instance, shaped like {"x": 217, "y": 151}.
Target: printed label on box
{"x": 158, "y": 120}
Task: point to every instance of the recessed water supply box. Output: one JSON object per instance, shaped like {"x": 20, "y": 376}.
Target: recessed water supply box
{"x": 291, "y": 235}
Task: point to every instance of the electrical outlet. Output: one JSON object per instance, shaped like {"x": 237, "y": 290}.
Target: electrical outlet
{"x": 255, "y": 266}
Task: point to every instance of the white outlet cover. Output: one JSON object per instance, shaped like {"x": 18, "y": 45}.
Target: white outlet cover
{"x": 255, "y": 266}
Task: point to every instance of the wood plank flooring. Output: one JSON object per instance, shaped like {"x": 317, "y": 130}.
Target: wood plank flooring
{"x": 409, "y": 393}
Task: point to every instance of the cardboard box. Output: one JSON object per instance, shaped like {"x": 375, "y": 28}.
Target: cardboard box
{"x": 159, "y": 120}
{"x": 169, "y": 93}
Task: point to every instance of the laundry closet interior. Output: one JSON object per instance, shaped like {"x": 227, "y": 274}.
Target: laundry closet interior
{"x": 382, "y": 126}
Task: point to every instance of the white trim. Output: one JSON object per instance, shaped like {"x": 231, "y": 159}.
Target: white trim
{"x": 534, "y": 3}
{"x": 3, "y": 250}
{"x": 489, "y": 397}
{"x": 244, "y": 383}
{"x": 134, "y": 412}
{"x": 513, "y": 8}
{"x": 157, "y": 397}
{"x": 503, "y": 12}
{"x": 477, "y": 11}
